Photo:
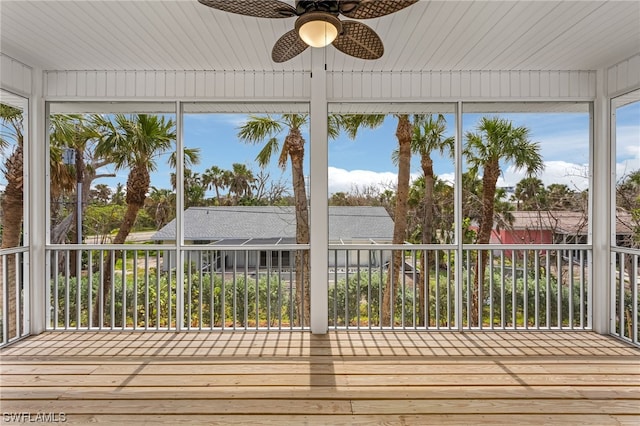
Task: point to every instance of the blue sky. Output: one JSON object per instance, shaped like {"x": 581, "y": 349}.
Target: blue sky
{"x": 365, "y": 161}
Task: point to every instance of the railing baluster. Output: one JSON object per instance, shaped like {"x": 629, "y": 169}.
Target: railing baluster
{"x": 123, "y": 283}
{"x": 525, "y": 289}
{"x": 559, "y": 287}
{"x": 514, "y": 289}
{"x": 146, "y": 288}
{"x": 268, "y": 295}
{"x": 548, "y": 288}
{"x": 134, "y": 312}
{"x": 188, "y": 299}
{"x": 158, "y": 269}
{"x": 571, "y": 298}
{"x": 634, "y": 299}
{"x": 67, "y": 279}
{"x": 438, "y": 296}
{"x": 279, "y": 290}
{"x": 101, "y": 290}
{"x": 621, "y": 299}
{"x": 347, "y": 321}
{"x": 536, "y": 261}
{"x": 78, "y": 254}
{"x": 371, "y": 253}
{"x": 491, "y": 325}
{"x": 358, "y": 283}
{"x": 581, "y": 288}
{"x": 56, "y": 289}
{"x": 503, "y": 296}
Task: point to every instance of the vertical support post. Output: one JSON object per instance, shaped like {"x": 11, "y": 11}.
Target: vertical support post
{"x": 179, "y": 219}
{"x": 37, "y": 236}
{"x": 602, "y": 206}
{"x": 319, "y": 180}
{"x": 458, "y": 218}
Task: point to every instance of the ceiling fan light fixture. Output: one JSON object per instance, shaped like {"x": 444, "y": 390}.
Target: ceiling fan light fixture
{"x": 318, "y": 29}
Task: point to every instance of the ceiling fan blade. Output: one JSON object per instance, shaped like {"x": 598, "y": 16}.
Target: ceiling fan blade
{"x": 365, "y": 9}
{"x": 257, "y": 8}
{"x": 288, "y": 46}
{"x": 359, "y": 40}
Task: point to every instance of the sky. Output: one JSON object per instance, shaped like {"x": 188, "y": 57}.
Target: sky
{"x": 366, "y": 160}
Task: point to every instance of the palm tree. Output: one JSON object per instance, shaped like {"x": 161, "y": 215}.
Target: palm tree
{"x": 132, "y": 142}
{"x": 404, "y": 131}
{"x": 118, "y": 194}
{"x": 11, "y": 120}
{"x": 160, "y": 205}
{"x": 258, "y": 129}
{"x": 531, "y": 192}
{"x": 216, "y": 178}
{"x": 101, "y": 194}
{"x": 428, "y": 136}
{"x": 80, "y": 134}
{"x": 241, "y": 181}
{"x": 496, "y": 140}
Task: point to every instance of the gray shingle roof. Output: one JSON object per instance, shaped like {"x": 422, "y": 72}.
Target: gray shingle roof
{"x": 271, "y": 222}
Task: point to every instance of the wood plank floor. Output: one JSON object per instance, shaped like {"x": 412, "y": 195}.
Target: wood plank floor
{"x": 342, "y": 378}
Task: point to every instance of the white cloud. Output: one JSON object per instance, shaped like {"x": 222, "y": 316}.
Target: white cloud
{"x": 341, "y": 180}
{"x": 575, "y": 176}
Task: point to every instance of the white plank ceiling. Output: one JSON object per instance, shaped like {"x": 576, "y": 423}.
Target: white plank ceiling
{"x": 431, "y": 35}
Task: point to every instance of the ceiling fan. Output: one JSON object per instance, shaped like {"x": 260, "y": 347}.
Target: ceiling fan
{"x": 317, "y": 23}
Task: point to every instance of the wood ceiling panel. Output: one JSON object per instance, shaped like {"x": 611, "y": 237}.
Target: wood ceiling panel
{"x": 430, "y": 35}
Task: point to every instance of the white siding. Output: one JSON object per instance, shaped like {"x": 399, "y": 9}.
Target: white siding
{"x": 341, "y": 86}
{"x": 624, "y": 76}
{"x": 466, "y": 85}
{"x": 215, "y": 85}
{"x": 15, "y": 76}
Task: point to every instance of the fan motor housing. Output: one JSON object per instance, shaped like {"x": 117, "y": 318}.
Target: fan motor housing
{"x": 326, "y": 6}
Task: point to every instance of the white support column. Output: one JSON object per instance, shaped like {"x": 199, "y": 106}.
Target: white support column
{"x": 179, "y": 308}
{"x": 603, "y": 176}
{"x": 36, "y": 184}
{"x": 458, "y": 218}
{"x": 319, "y": 180}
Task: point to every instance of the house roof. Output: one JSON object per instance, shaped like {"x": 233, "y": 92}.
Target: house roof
{"x": 267, "y": 224}
{"x": 564, "y": 222}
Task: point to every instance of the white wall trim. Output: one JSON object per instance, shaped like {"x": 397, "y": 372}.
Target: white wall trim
{"x": 431, "y": 86}
{"x": 15, "y": 76}
{"x": 624, "y": 76}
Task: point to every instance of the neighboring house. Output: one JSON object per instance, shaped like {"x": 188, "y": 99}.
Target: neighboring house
{"x": 271, "y": 226}
{"x": 553, "y": 227}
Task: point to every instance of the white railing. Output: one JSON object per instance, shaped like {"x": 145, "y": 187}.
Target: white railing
{"x": 625, "y": 300}
{"x": 210, "y": 287}
{"x": 522, "y": 287}
{"x": 14, "y": 294}
{"x": 145, "y": 287}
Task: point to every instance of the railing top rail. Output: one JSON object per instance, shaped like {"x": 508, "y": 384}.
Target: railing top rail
{"x": 626, "y": 250}
{"x": 464, "y": 247}
{"x": 527, "y": 247}
{"x": 203, "y": 247}
{"x": 382, "y": 246}
{"x": 261, "y": 247}
{"x": 13, "y": 250}
{"x": 247, "y": 247}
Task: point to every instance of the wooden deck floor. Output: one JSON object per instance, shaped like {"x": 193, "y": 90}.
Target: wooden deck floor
{"x": 343, "y": 378}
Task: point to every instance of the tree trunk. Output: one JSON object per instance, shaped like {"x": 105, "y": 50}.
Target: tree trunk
{"x": 12, "y": 209}
{"x": 295, "y": 142}
{"x": 489, "y": 180}
{"x": 403, "y": 133}
{"x": 77, "y": 236}
{"x": 137, "y": 187}
{"x": 427, "y": 234}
